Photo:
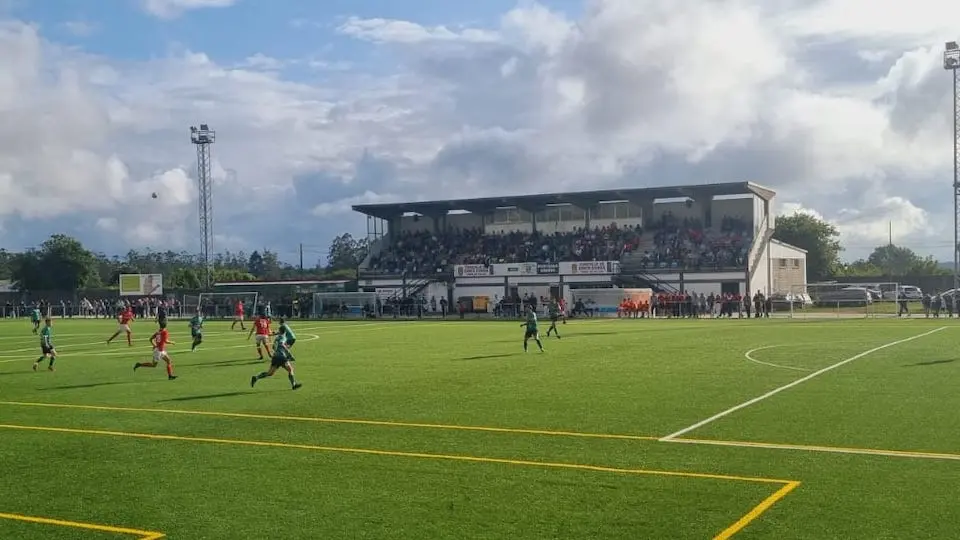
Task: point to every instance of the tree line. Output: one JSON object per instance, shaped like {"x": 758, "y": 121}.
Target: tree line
{"x": 821, "y": 240}
{"x": 62, "y": 263}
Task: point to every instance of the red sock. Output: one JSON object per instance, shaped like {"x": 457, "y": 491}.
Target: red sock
{"x": 169, "y": 369}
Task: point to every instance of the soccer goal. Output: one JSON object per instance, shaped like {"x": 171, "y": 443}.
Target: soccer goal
{"x": 222, "y": 305}
{"x": 353, "y": 305}
{"x": 846, "y": 300}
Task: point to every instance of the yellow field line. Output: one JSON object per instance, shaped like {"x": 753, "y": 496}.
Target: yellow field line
{"x": 757, "y": 510}
{"x": 453, "y": 427}
{"x": 141, "y": 535}
{"x": 788, "y": 485}
{"x": 818, "y": 448}
{"x": 367, "y": 451}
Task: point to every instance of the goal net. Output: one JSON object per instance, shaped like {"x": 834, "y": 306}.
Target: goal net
{"x": 222, "y": 305}
{"x": 352, "y": 305}
{"x": 843, "y": 300}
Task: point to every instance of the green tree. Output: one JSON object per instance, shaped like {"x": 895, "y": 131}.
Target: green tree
{"x": 819, "y": 238}
{"x": 346, "y": 253}
{"x": 899, "y": 261}
{"x": 61, "y": 263}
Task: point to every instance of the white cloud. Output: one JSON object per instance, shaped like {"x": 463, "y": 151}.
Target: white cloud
{"x": 81, "y": 28}
{"x": 343, "y": 206}
{"x": 170, "y": 9}
{"x": 628, "y": 93}
{"x": 395, "y": 31}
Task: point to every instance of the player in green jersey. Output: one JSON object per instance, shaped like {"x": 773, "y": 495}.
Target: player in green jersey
{"x": 532, "y": 330}
{"x": 196, "y": 330}
{"x": 47, "y": 349}
{"x": 35, "y": 318}
{"x": 281, "y": 359}
{"x": 289, "y": 337}
{"x": 554, "y": 311}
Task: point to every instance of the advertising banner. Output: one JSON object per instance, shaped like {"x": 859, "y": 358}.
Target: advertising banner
{"x": 141, "y": 284}
{"x": 548, "y": 268}
{"x": 472, "y": 270}
{"x": 590, "y": 268}
{"x": 515, "y": 269}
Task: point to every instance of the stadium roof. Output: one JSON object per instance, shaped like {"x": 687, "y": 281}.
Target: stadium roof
{"x": 581, "y": 199}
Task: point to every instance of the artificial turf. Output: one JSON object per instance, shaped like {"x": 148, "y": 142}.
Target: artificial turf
{"x": 429, "y": 429}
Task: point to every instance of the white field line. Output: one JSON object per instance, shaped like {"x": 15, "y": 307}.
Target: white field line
{"x": 799, "y": 381}
{"x": 748, "y": 356}
{"x": 817, "y": 448}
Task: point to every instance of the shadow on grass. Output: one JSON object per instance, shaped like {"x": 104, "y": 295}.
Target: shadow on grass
{"x": 228, "y": 363}
{"x": 932, "y": 363}
{"x": 485, "y": 357}
{"x": 208, "y": 396}
{"x": 89, "y": 385}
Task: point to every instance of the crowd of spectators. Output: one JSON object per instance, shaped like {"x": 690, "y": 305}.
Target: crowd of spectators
{"x": 422, "y": 253}
{"x": 685, "y": 243}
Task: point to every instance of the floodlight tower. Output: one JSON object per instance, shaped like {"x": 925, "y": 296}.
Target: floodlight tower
{"x": 202, "y": 138}
{"x": 951, "y": 62}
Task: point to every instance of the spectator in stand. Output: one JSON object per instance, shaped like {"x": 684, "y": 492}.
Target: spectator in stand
{"x": 422, "y": 253}
{"x": 687, "y": 244}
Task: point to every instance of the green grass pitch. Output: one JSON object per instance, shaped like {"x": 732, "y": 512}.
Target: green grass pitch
{"x": 448, "y": 430}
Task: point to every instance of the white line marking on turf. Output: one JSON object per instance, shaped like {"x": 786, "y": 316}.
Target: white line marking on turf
{"x": 748, "y": 356}
{"x": 824, "y": 449}
{"x": 801, "y": 380}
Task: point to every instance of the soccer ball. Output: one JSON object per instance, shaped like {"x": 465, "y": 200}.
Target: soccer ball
{"x": 153, "y": 195}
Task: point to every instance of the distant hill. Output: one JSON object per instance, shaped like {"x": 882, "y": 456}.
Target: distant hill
{"x": 946, "y": 265}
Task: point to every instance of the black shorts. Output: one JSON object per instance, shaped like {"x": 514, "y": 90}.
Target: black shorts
{"x": 531, "y": 334}
{"x": 279, "y": 361}
{"x": 48, "y": 349}
{"x": 196, "y": 334}
{"x": 554, "y": 318}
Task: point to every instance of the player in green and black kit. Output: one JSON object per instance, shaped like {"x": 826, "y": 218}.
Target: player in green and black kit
{"x": 281, "y": 359}
{"x": 554, "y": 311}
{"x": 532, "y": 329}
{"x": 35, "y": 319}
{"x": 46, "y": 346}
{"x": 196, "y": 331}
{"x": 289, "y": 337}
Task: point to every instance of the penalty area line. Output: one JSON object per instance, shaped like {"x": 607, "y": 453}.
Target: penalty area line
{"x": 797, "y": 382}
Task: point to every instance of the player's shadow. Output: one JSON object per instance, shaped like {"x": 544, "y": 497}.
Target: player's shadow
{"x": 228, "y": 363}
{"x": 89, "y": 385}
{"x": 484, "y": 357}
{"x": 206, "y": 396}
{"x": 932, "y": 363}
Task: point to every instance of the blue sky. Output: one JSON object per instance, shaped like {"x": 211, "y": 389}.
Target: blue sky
{"x": 320, "y": 105}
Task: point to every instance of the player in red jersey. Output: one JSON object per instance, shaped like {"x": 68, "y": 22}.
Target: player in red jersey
{"x": 124, "y": 320}
{"x": 238, "y": 316}
{"x": 261, "y": 325}
{"x": 160, "y": 339}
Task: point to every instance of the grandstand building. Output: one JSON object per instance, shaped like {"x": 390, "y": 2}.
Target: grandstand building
{"x": 714, "y": 238}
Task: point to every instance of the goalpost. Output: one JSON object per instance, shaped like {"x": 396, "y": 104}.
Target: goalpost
{"x": 345, "y": 305}
{"x": 221, "y": 305}
{"x": 848, "y": 300}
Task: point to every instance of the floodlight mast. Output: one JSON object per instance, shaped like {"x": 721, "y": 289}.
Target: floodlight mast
{"x": 951, "y": 62}
{"x": 202, "y": 138}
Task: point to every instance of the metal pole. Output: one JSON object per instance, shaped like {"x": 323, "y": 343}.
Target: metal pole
{"x": 956, "y": 184}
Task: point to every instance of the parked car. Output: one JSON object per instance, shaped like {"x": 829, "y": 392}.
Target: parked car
{"x": 904, "y": 292}
{"x": 847, "y": 296}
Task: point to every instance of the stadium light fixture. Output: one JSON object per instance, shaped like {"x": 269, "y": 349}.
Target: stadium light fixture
{"x": 951, "y": 62}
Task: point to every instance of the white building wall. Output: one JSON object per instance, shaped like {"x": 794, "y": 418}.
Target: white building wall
{"x": 742, "y": 208}
{"x": 478, "y": 290}
{"x": 762, "y": 276}
{"x": 414, "y": 224}
{"x": 465, "y": 221}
